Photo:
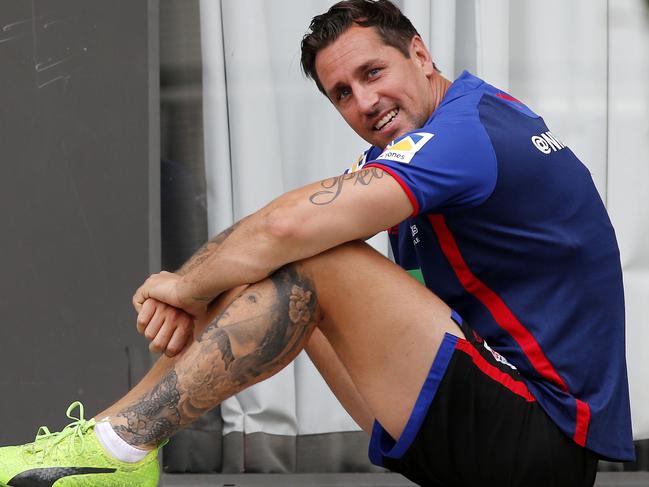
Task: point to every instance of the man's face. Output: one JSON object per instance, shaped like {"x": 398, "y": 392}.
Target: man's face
{"x": 379, "y": 92}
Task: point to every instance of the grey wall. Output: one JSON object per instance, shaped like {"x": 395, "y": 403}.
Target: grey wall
{"x": 79, "y": 203}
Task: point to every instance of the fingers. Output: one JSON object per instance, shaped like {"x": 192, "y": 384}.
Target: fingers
{"x": 165, "y": 287}
{"x": 169, "y": 329}
{"x": 144, "y": 291}
{"x": 180, "y": 339}
{"x": 145, "y": 315}
{"x": 161, "y": 339}
{"x": 153, "y": 327}
{"x": 140, "y": 296}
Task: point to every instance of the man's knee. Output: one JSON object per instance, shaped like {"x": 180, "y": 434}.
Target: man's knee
{"x": 341, "y": 255}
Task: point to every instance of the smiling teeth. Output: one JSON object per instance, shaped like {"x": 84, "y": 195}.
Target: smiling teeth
{"x": 388, "y": 118}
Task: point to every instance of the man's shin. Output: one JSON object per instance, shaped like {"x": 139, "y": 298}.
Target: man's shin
{"x": 254, "y": 337}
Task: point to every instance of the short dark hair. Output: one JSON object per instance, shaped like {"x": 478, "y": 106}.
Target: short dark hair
{"x": 393, "y": 27}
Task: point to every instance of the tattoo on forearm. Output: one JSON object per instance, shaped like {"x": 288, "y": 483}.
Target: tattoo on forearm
{"x": 333, "y": 187}
{"x": 206, "y": 250}
{"x": 260, "y": 332}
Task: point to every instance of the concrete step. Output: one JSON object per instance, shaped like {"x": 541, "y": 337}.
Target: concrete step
{"x": 604, "y": 479}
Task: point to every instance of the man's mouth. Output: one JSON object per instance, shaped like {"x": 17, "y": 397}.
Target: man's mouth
{"x": 387, "y": 119}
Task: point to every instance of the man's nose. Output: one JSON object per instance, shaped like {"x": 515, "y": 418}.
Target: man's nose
{"x": 367, "y": 99}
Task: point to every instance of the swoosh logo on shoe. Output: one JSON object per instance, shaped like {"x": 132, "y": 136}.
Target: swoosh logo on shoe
{"x": 45, "y": 477}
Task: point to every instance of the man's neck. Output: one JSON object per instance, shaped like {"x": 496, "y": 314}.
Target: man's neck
{"x": 440, "y": 86}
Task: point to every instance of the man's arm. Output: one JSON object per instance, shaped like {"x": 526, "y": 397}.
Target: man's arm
{"x": 297, "y": 225}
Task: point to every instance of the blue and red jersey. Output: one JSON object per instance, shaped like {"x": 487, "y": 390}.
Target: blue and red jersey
{"x": 509, "y": 230}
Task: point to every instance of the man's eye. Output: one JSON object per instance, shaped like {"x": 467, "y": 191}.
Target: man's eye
{"x": 343, "y": 93}
{"x": 373, "y": 72}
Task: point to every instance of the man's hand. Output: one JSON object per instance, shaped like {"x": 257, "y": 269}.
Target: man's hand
{"x": 166, "y": 287}
{"x": 169, "y": 329}
{"x": 161, "y": 287}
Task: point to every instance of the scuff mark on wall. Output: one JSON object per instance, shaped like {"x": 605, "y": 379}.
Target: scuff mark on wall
{"x": 59, "y": 46}
{"x": 50, "y": 64}
{"x": 11, "y": 25}
{"x": 47, "y": 25}
{"x": 58, "y": 78}
{"x": 14, "y": 29}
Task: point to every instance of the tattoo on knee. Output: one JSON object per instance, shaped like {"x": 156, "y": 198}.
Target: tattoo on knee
{"x": 298, "y": 310}
{"x": 275, "y": 328}
{"x": 225, "y": 347}
{"x": 292, "y": 319}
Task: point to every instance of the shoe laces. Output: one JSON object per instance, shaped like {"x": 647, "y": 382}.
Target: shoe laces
{"x": 47, "y": 442}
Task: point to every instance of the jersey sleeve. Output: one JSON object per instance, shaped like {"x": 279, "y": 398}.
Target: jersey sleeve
{"x": 442, "y": 167}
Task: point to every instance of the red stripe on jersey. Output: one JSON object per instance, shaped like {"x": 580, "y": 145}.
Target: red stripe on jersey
{"x": 397, "y": 178}
{"x": 507, "y": 97}
{"x": 583, "y": 420}
{"x": 505, "y": 319}
{"x": 517, "y": 387}
{"x": 499, "y": 310}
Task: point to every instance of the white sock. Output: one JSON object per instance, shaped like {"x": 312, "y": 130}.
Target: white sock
{"x": 116, "y": 446}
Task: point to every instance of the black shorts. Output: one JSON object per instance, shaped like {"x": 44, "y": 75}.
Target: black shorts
{"x": 475, "y": 423}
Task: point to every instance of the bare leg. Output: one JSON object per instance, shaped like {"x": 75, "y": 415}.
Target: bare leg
{"x": 383, "y": 325}
{"x": 254, "y": 337}
{"x": 164, "y": 364}
{"x": 337, "y": 377}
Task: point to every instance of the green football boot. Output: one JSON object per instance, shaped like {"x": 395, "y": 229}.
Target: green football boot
{"x": 72, "y": 457}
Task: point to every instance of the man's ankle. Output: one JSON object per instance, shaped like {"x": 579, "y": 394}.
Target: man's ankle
{"x": 115, "y": 446}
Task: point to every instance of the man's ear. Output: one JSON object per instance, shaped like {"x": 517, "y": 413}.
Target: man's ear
{"x": 419, "y": 54}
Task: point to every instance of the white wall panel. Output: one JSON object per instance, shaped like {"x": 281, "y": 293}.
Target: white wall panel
{"x": 559, "y": 68}
{"x": 493, "y": 40}
{"x": 628, "y": 185}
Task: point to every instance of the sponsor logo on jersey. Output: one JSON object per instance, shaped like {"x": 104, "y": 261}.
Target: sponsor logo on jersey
{"x": 358, "y": 165}
{"x": 403, "y": 150}
{"x": 498, "y": 357}
{"x": 414, "y": 230}
{"x": 547, "y": 143}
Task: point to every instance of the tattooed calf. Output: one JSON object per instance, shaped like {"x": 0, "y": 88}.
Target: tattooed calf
{"x": 155, "y": 416}
{"x": 250, "y": 340}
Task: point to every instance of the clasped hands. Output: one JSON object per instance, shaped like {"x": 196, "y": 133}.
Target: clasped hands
{"x": 166, "y": 315}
